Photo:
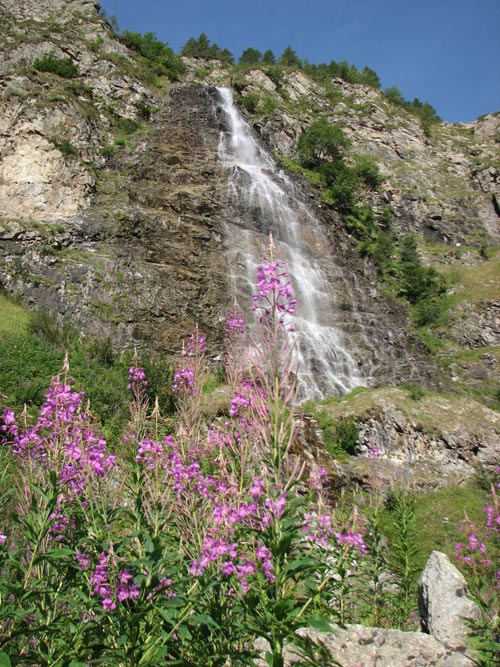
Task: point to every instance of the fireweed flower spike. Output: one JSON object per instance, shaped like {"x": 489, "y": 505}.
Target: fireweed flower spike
{"x": 274, "y": 289}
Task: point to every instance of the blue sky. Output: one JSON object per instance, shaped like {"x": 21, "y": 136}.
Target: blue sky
{"x": 446, "y": 52}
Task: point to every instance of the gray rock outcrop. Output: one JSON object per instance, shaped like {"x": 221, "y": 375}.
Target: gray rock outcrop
{"x": 442, "y": 643}
{"x": 358, "y": 646}
{"x": 443, "y": 603}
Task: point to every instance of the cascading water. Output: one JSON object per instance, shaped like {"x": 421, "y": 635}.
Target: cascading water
{"x": 265, "y": 201}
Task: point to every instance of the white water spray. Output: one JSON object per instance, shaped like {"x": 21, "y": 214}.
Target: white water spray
{"x": 264, "y": 201}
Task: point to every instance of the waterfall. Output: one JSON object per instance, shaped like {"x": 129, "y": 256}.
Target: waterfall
{"x": 264, "y": 200}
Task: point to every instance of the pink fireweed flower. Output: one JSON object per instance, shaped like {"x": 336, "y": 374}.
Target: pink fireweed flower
{"x": 126, "y": 589}
{"x": 99, "y": 583}
{"x": 274, "y": 291}
{"x": 490, "y": 516}
{"x": 108, "y": 604}
{"x": 196, "y": 569}
{"x": 63, "y": 439}
{"x": 228, "y": 568}
{"x": 235, "y": 325}
{"x": 149, "y": 453}
{"x": 59, "y": 526}
{"x": 9, "y": 426}
{"x": 247, "y": 400}
{"x": 196, "y": 344}
{"x": 264, "y": 555}
{"x": 276, "y": 507}
{"x": 136, "y": 378}
{"x": 83, "y": 559}
{"x": 373, "y": 452}
{"x": 245, "y": 569}
{"x": 354, "y": 540}
{"x": 318, "y": 528}
{"x": 184, "y": 381}
{"x": 318, "y": 478}
{"x": 473, "y": 542}
{"x": 257, "y": 489}
{"x": 3, "y": 538}
{"x": 165, "y": 585}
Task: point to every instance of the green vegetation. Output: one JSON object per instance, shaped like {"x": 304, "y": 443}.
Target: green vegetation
{"x": 422, "y": 286}
{"x": 321, "y": 143}
{"x": 475, "y": 284}
{"x": 203, "y": 49}
{"x": 64, "y": 67}
{"x": 65, "y": 147}
{"x": 160, "y": 55}
{"x": 342, "y": 70}
{"x": 250, "y": 57}
{"x": 322, "y": 151}
{"x": 289, "y": 58}
{"x": 32, "y": 348}
{"x": 14, "y": 317}
{"x": 437, "y": 514}
{"x": 322, "y": 148}
{"x": 425, "y": 111}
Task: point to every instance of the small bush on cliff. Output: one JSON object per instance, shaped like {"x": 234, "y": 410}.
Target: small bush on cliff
{"x": 418, "y": 283}
{"x": 367, "y": 171}
{"x": 64, "y": 67}
{"x": 321, "y": 143}
{"x": 425, "y": 111}
{"x": 65, "y": 146}
{"x": 157, "y": 52}
{"x": 250, "y": 57}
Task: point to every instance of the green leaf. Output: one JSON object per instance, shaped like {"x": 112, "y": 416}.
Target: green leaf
{"x": 299, "y": 565}
{"x": 284, "y": 544}
{"x": 320, "y": 624}
{"x": 205, "y": 619}
{"x": 4, "y": 660}
{"x": 269, "y": 658}
{"x": 56, "y": 554}
{"x": 184, "y": 634}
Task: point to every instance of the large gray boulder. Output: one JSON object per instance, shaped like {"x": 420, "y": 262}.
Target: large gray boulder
{"x": 358, "y": 646}
{"x": 443, "y": 603}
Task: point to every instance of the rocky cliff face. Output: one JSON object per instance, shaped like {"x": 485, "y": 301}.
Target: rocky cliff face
{"x": 120, "y": 223}
{"x": 445, "y": 186}
{"x": 120, "y": 242}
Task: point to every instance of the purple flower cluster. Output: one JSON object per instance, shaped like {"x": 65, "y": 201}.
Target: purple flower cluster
{"x": 150, "y": 453}
{"x": 165, "y": 587}
{"x": 184, "y": 381}
{"x": 235, "y": 325}
{"x": 196, "y": 344}
{"x": 244, "y": 399}
{"x": 192, "y": 361}
{"x": 319, "y": 530}
{"x": 111, "y": 592}
{"x": 274, "y": 292}
{"x": 233, "y": 559}
{"x": 63, "y": 439}
{"x": 234, "y": 543}
{"x": 136, "y": 378}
